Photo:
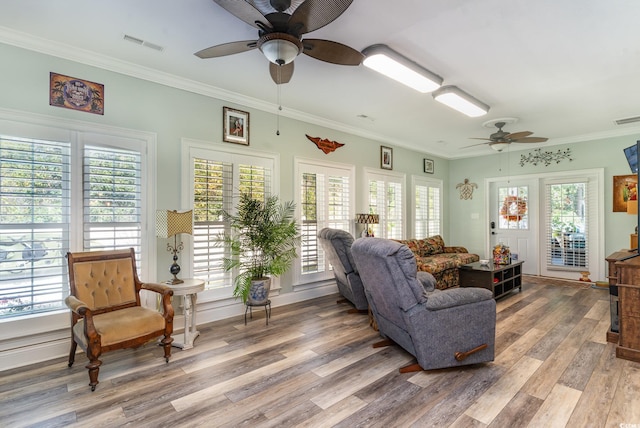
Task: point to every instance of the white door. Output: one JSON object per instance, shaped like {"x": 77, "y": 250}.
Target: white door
{"x": 514, "y": 220}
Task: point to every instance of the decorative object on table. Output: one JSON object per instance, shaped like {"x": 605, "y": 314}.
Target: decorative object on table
{"x": 513, "y": 208}
{"x": 327, "y": 146}
{"x": 386, "y": 157}
{"x": 547, "y": 158}
{"x": 466, "y": 189}
{"x": 624, "y": 187}
{"x": 236, "y": 126}
{"x": 76, "y": 94}
{"x": 428, "y": 166}
{"x": 367, "y": 219}
{"x": 501, "y": 254}
{"x": 262, "y": 239}
{"x": 171, "y": 223}
{"x": 585, "y": 277}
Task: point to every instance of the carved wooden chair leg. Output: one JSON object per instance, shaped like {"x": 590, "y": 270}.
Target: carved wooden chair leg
{"x": 94, "y": 369}
{"x": 462, "y": 355}
{"x": 383, "y": 343}
{"x": 72, "y": 352}
{"x": 411, "y": 368}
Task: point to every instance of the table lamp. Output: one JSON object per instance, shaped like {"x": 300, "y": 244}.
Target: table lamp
{"x": 171, "y": 223}
{"x": 367, "y": 219}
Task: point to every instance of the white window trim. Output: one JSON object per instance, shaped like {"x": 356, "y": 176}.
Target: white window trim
{"x": 191, "y": 148}
{"x": 425, "y": 181}
{"x": 49, "y": 330}
{"x": 321, "y": 167}
{"x": 368, "y": 173}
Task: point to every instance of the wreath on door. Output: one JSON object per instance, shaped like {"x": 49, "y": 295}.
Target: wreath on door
{"x": 514, "y": 208}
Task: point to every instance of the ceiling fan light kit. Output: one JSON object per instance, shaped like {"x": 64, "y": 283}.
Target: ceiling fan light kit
{"x": 390, "y": 63}
{"x": 459, "y": 100}
{"x": 498, "y": 147}
{"x": 280, "y": 48}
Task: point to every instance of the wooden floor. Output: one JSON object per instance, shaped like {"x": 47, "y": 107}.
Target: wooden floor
{"x": 314, "y": 366}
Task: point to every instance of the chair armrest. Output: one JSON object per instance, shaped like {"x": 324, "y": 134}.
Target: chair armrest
{"x": 76, "y": 305}
{"x": 427, "y": 280}
{"x": 166, "y": 292}
{"x": 157, "y": 288}
{"x": 439, "y": 299}
{"x": 455, "y": 250}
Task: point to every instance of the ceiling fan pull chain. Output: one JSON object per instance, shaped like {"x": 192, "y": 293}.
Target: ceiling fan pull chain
{"x": 279, "y": 103}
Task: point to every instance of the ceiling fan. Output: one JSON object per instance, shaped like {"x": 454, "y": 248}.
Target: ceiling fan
{"x": 501, "y": 139}
{"x": 281, "y": 24}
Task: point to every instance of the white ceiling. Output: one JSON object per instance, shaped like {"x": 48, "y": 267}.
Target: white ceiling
{"x": 565, "y": 69}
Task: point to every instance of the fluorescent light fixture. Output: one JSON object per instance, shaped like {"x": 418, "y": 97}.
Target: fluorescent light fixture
{"x": 457, "y": 99}
{"x": 385, "y": 60}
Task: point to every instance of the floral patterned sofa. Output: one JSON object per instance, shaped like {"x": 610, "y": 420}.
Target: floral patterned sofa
{"x": 433, "y": 256}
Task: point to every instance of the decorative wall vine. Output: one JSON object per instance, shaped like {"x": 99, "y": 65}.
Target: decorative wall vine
{"x": 538, "y": 156}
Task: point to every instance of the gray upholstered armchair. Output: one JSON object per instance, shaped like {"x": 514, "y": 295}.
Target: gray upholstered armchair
{"x": 337, "y": 246}
{"x": 441, "y": 328}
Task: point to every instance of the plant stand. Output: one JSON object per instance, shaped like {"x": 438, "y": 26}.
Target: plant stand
{"x": 249, "y": 307}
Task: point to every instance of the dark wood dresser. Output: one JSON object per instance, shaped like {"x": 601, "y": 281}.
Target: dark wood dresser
{"x": 629, "y": 309}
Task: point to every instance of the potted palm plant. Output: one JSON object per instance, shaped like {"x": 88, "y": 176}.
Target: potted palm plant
{"x": 262, "y": 241}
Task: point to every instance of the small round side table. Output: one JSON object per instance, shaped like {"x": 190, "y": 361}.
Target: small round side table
{"x": 189, "y": 291}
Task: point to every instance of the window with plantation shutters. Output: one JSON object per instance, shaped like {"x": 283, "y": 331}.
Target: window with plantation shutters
{"x": 218, "y": 177}
{"x": 385, "y": 198}
{"x": 37, "y": 222}
{"x": 112, "y": 199}
{"x": 324, "y": 199}
{"x": 427, "y": 207}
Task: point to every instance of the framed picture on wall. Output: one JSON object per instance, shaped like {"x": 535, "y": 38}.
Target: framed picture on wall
{"x": 428, "y": 166}
{"x": 236, "y": 126}
{"x": 386, "y": 157}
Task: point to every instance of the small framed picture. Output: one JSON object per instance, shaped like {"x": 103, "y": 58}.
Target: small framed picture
{"x": 386, "y": 157}
{"x": 428, "y": 166}
{"x": 236, "y": 126}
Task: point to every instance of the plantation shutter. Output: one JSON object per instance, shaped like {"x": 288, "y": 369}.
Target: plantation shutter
{"x": 34, "y": 225}
{"x": 112, "y": 199}
{"x": 427, "y": 210}
{"x": 385, "y": 199}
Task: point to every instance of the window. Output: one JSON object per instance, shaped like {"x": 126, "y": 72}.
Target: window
{"x": 385, "y": 198}
{"x": 324, "y": 200}
{"x": 37, "y": 221}
{"x": 513, "y": 207}
{"x": 427, "y": 207}
{"x": 567, "y": 229}
{"x": 218, "y": 176}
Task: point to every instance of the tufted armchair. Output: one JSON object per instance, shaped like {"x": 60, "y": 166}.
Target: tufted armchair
{"x": 105, "y": 307}
{"x": 337, "y": 246}
{"x": 440, "y": 328}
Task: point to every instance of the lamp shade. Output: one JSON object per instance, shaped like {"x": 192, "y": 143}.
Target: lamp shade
{"x": 170, "y": 223}
{"x": 367, "y": 218}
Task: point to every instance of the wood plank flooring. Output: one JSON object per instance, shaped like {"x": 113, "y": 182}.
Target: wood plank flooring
{"x": 314, "y": 366}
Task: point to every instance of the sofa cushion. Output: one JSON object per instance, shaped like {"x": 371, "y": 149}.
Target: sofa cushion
{"x": 444, "y": 261}
{"x": 432, "y": 245}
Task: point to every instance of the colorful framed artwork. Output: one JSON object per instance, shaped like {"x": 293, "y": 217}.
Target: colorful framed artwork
{"x": 76, "y": 94}
{"x": 428, "y": 166}
{"x": 624, "y": 188}
{"x": 386, "y": 157}
{"x": 236, "y": 126}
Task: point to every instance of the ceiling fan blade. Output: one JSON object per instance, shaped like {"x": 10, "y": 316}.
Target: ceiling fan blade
{"x": 474, "y": 145}
{"x": 281, "y": 73}
{"x": 333, "y": 52}
{"x": 517, "y": 135}
{"x": 314, "y": 14}
{"x": 227, "y": 49}
{"x": 477, "y": 138}
{"x": 531, "y": 140}
{"x": 242, "y": 10}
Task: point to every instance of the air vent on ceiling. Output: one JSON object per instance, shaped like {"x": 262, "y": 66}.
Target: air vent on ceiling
{"x": 141, "y": 42}
{"x": 627, "y": 120}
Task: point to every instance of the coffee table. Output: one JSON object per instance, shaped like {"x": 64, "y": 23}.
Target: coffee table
{"x": 499, "y": 279}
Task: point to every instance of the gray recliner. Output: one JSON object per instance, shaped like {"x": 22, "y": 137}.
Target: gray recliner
{"x": 336, "y": 244}
{"x": 440, "y": 328}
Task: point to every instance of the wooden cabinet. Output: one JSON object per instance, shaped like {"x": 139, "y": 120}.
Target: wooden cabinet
{"x": 612, "y": 334}
{"x": 633, "y": 241}
{"x": 500, "y": 279}
{"x": 629, "y": 309}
